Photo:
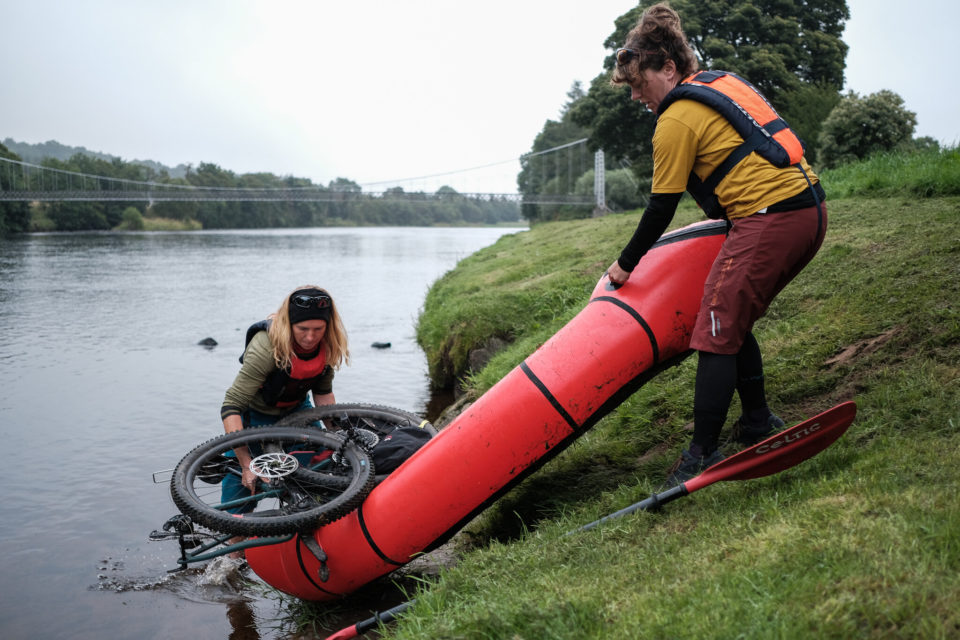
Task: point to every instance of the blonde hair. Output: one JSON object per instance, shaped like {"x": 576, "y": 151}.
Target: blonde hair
{"x": 658, "y": 37}
{"x": 281, "y": 334}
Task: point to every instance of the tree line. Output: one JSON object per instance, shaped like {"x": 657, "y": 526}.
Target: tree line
{"x": 351, "y": 207}
{"x": 792, "y": 52}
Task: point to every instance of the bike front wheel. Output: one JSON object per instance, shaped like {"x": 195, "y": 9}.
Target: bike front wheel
{"x": 287, "y": 500}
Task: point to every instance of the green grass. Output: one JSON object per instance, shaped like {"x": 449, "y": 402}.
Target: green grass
{"x": 862, "y": 541}
{"x": 926, "y": 174}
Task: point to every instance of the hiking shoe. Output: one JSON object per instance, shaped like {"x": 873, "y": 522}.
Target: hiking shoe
{"x": 690, "y": 466}
{"x": 750, "y": 434}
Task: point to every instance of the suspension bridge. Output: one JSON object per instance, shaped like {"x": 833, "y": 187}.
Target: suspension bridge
{"x": 556, "y": 173}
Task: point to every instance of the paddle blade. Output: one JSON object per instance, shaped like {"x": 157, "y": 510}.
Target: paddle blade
{"x": 343, "y": 634}
{"x": 782, "y": 451}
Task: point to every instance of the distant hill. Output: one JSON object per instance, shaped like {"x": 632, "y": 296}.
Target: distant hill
{"x": 36, "y": 153}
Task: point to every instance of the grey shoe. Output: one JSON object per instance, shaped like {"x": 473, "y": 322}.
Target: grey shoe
{"x": 690, "y": 466}
{"x": 750, "y": 434}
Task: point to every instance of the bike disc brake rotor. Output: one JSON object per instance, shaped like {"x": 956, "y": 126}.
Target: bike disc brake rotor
{"x": 274, "y": 465}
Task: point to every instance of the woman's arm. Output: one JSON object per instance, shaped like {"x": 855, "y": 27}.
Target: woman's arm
{"x": 654, "y": 221}
{"x": 248, "y": 479}
{"x": 324, "y": 399}
{"x": 257, "y": 363}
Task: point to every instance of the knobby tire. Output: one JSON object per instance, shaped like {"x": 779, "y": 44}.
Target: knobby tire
{"x": 330, "y": 495}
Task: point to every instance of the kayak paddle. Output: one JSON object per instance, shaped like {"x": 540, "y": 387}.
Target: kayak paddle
{"x": 781, "y": 451}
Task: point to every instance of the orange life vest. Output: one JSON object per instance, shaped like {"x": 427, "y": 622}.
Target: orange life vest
{"x": 757, "y": 122}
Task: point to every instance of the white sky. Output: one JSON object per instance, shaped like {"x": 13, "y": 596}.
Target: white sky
{"x": 370, "y": 90}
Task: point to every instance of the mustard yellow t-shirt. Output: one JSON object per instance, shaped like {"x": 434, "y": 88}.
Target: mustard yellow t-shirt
{"x": 692, "y": 136}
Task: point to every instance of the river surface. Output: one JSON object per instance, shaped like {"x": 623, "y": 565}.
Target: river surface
{"x": 102, "y": 383}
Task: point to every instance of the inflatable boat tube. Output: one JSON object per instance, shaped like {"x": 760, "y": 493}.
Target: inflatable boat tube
{"x": 621, "y": 339}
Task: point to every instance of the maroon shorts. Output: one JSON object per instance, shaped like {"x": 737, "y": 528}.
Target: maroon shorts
{"x": 762, "y": 253}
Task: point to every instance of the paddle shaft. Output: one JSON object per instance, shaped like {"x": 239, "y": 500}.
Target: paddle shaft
{"x": 650, "y": 504}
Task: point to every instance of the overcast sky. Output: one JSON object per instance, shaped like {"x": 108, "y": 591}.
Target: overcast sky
{"x": 369, "y": 90}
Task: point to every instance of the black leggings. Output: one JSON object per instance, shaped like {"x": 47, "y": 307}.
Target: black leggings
{"x": 718, "y": 375}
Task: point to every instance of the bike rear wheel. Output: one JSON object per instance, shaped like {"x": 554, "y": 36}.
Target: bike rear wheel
{"x": 374, "y": 417}
{"x": 369, "y": 424}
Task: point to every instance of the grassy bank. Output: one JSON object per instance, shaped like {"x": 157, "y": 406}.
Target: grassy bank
{"x": 861, "y": 541}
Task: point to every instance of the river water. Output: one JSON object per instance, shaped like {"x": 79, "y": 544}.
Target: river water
{"x": 102, "y": 383}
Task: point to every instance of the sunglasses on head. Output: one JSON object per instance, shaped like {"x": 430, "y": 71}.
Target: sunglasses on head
{"x": 308, "y": 300}
{"x": 624, "y": 56}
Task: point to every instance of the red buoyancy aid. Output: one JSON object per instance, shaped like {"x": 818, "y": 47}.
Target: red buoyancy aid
{"x": 757, "y": 122}
{"x": 288, "y": 387}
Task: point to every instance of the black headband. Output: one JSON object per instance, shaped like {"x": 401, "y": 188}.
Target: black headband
{"x": 310, "y": 304}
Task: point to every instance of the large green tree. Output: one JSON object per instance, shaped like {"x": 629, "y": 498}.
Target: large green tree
{"x": 790, "y": 49}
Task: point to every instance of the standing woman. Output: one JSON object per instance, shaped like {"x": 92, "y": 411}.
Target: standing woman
{"x": 293, "y": 352}
{"x": 753, "y": 176}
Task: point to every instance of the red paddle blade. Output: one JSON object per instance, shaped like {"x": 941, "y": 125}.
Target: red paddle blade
{"x": 782, "y": 451}
{"x": 343, "y": 634}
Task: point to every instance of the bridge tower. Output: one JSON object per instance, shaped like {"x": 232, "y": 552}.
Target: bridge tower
{"x": 599, "y": 185}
